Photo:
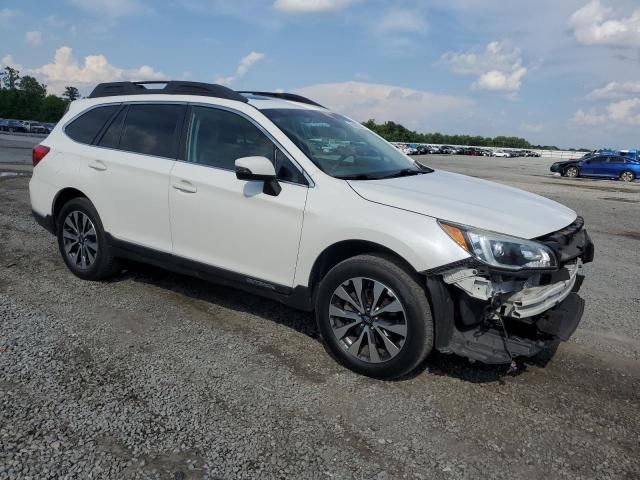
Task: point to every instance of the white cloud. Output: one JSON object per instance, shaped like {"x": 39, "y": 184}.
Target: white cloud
{"x": 531, "y": 127}
{"x": 499, "y": 66}
{"x": 625, "y": 111}
{"x": 401, "y": 21}
{"x": 311, "y": 6}
{"x": 591, "y": 117}
{"x": 33, "y": 39}
{"x": 622, "y": 112}
{"x": 616, "y": 90}
{"x": 501, "y": 81}
{"x": 593, "y": 25}
{"x": 362, "y": 101}
{"x": 111, "y": 8}
{"x": 6, "y": 14}
{"x": 8, "y": 61}
{"x": 66, "y": 70}
{"x": 246, "y": 63}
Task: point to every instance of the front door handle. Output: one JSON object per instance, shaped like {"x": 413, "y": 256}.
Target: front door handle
{"x": 97, "y": 165}
{"x": 184, "y": 186}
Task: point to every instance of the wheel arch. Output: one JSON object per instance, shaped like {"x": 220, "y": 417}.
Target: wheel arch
{"x": 61, "y": 198}
{"x": 345, "y": 249}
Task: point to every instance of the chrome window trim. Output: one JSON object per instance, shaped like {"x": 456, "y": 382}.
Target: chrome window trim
{"x": 266, "y": 133}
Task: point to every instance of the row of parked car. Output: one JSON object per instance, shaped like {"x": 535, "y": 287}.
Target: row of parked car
{"x": 424, "y": 149}
{"x": 25, "y": 126}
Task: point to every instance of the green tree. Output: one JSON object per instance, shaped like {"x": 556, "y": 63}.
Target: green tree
{"x": 52, "y": 109}
{"x": 71, "y": 93}
{"x": 9, "y": 78}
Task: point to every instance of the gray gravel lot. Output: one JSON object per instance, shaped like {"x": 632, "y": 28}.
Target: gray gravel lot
{"x": 156, "y": 375}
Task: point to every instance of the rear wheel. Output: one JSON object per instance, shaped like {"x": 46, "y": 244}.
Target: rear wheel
{"x": 82, "y": 241}
{"x": 627, "y": 176}
{"x": 374, "y": 316}
{"x": 572, "y": 172}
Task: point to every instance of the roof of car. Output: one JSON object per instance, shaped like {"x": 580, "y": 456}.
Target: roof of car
{"x": 123, "y": 91}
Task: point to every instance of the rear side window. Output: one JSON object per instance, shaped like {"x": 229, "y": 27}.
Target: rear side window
{"x": 152, "y": 129}
{"x": 85, "y": 128}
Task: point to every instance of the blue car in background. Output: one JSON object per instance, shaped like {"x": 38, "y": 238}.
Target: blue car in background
{"x": 625, "y": 168}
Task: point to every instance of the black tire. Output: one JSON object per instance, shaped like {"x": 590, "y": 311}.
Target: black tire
{"x": 571, "y": 172}
{"x": 406, "y": 287}
{"x": 627, "y": 176}
{"x": 104, "y": 263}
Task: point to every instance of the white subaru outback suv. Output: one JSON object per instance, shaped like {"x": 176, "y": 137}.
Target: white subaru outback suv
{"x": 277, "y": 195}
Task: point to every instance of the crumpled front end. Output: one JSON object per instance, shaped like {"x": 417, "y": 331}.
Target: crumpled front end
{"x": 494, "y": 316}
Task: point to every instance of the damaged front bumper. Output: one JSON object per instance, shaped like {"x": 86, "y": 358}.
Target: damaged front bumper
{"x": 494, "y": 316}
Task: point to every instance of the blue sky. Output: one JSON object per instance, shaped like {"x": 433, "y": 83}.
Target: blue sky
{"x": 563, "y": 73}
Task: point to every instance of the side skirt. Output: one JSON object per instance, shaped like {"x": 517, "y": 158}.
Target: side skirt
{"x": 298, "y": 297}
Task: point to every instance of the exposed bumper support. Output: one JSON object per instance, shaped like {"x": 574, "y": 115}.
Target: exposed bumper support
{"x": 536, "y": 300}
{"x": 489, "y": 344}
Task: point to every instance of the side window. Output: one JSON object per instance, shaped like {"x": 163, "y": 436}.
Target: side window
{"x": 85, "y": 128}
{"x": 111, "y": 137}
{"x": 152, "y": 129}
{"x": 218, "y": 138}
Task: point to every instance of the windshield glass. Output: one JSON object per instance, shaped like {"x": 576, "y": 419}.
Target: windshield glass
{"x": 341, "y": 147}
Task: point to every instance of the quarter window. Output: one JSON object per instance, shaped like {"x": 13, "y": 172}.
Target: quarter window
{"x": 152, "y": 129}
{"x": 85, "y": 128}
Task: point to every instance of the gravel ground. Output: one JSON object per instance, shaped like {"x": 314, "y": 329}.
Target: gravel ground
{"x": 156, "y": 375}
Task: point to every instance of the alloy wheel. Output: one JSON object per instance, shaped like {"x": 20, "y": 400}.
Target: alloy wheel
{"x": 368, "y": 320}
{"x": 572, "y": 172}
{"x": 626, "y": 177}
{"x": 80, "y": 240}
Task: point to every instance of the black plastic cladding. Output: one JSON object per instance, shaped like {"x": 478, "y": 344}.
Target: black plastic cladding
{"x": 171, "y": 87}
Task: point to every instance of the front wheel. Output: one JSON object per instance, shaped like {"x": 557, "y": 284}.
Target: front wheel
{"x": 627, "y": 176}
{"x": 374, "y": 316}
{"x": 571, "y": 172}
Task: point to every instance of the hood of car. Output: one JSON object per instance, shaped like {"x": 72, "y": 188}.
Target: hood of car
{"x": 469, "y": 201}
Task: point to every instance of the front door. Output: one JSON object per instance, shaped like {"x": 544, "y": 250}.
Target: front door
{"x": 228, "y": 223}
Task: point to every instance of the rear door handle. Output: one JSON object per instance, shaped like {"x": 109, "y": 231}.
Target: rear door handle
{"x": 97, "y": 165}
{"x": 184, "y": 186}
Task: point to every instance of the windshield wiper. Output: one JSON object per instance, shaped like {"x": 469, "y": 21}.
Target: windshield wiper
{"x": 406, "y": 172}
{"x": 358, "y": 176}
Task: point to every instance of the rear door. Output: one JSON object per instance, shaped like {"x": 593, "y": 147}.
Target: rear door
{"x": 615, "y": 166}
{"x": 128, "y": 172}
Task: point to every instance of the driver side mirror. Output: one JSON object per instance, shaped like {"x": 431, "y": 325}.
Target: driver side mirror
{"x": 258, "y": 169}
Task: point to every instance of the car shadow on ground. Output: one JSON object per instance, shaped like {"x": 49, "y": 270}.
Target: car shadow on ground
{"x": 305, "y": 323}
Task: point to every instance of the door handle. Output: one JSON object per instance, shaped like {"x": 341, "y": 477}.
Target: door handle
{"x": 97, "y": 165}
{"x": 184, "y": 186}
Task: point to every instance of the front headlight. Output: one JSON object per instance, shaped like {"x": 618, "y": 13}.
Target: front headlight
{"x": 501, "y": 251}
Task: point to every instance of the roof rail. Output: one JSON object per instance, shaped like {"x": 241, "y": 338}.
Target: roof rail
{"x": 171, "y": 87}
{"x": 286, "y": 96}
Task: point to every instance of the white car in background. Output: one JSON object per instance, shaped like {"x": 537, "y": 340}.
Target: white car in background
{"x": 278, "y": 196}
{"x": 501, "y": 153}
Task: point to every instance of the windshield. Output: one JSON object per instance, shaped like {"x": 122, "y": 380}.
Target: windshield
{"x": 341, "y": 147}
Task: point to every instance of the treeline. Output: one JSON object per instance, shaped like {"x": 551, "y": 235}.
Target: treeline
{"x": 394, "y": 132}
{"x": 24, "y": 98}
